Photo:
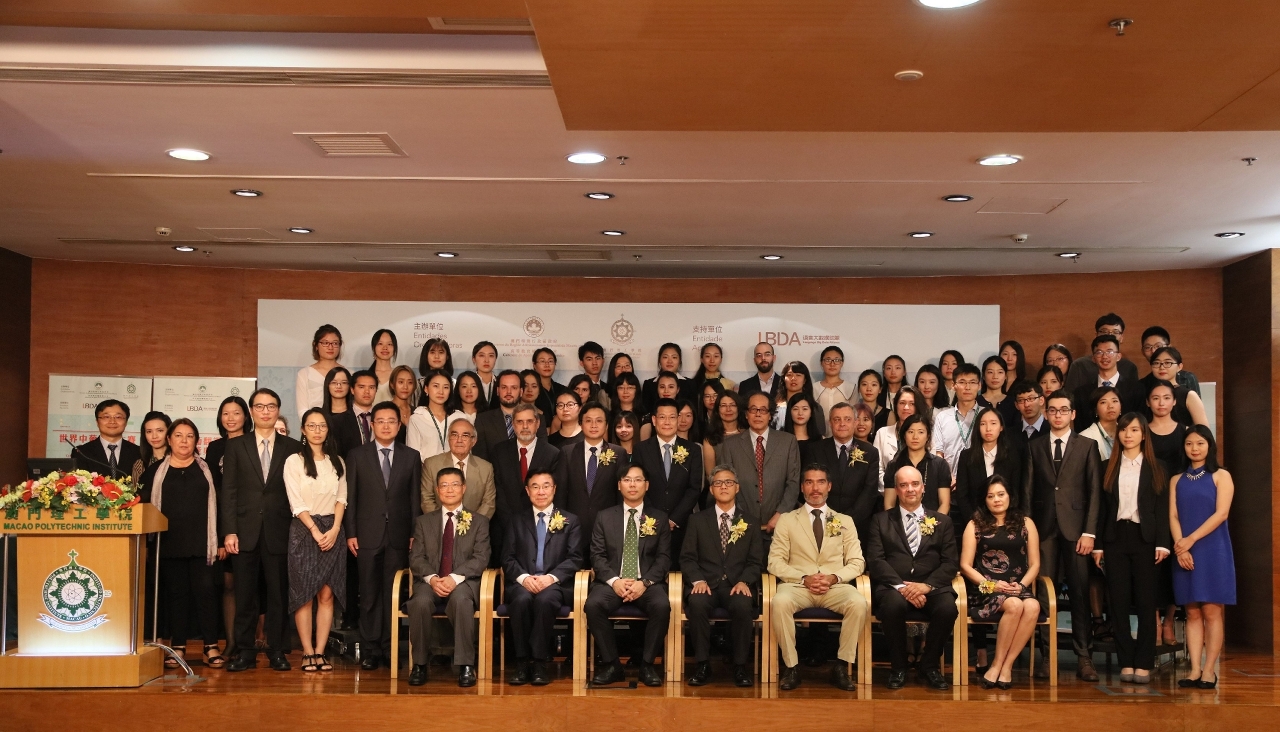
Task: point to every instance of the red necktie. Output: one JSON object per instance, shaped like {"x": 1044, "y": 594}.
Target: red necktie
{"x": 365, "y": 433}
{"x": 446, "y": 547}
{"x": 524, "y": 463}
{"x": 760, "y": 465}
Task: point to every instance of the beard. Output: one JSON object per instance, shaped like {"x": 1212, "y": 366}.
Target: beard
{"x": 763, "y": 370}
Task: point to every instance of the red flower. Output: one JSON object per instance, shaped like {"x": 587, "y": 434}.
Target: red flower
{"x": 26, "y": 494}
{"x": 98, "y": 480}
{"x": 111, "y": 491}
{"x": 70, "y": 480}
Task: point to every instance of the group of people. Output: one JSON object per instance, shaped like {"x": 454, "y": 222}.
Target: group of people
{"x": 1079, "y": 471}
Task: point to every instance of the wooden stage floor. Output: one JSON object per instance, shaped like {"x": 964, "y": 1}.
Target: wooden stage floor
{"x": 351, "y": 700}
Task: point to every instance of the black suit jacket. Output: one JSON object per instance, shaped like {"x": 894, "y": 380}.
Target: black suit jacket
{"x": 573, "y": 493}
{"x": 1133, "y": 398}
{"x": 1153, "y": 509}
{"x": 1018, "y": 435}
{"x": 751, "y": 385}
{"x": 606, "y": 545}
{"x": 491, "y": 431}
{"x": 562, "y": 556}
{"x": 889, "y": 558}
{"x": 252, "y": 508}
{"x": 675, "y": 495}
{"x": 382, "y": 515}
{"x": 971, "y": 478}
{"x": 855, "y": 489}
{"x": 92, "y": 456}
{"x": 1065, "y": 502}
{"x": 701, "y": 558}
{"x": 346, "y": 430}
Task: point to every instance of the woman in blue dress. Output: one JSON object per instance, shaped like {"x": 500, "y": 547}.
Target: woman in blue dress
{"x": 1204, "y": 579}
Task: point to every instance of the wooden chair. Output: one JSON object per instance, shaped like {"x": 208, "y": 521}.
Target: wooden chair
{"x": 484, "y": 609}
{"x": 584, "y": 646}
{"x": 1048, "y": 617}
{"x": 567, "y": 612}
{"x": 720, "y": 615}
{"x": 807, "y": 615}
{"x": 959, "y": 638}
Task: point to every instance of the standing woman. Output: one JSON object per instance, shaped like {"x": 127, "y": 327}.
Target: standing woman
{"x": 870, "y": 386}
{"x": 485, "y": 356}
{"x": 544, "y": 371}
{"x": 181, "y": 487}
{"x": 710, "y": 357}
{"x": 467, "y": 396}
{"x": 1015, "y": 360}
{"x": 995, "y": 381}
{"x": 580, "y": 384}
{"x": 947, "y": 365}
{"x": 991, "y": 454}
{"x": 155, "y": 442}
{"x": 895, "y": 376}
{"x": 429, "y": 424}
{"x": 670, "y": 358}
{"x": 730, "y": 419}
{"x": 832, "y": 389}
{"x": 531, "y": 392}
{"x": 1204, "y": 579}
{"x": 929, "y": 384}
{"x": 1133, "y": 537}
{"x": 1106, "y": 402}
{"x": 799, "y": 421}
{"x": 886, "y": 440}
{"x": 627, "y": 398}
{"x": 619, "y": 364}
{"x": 1168, "y": 437}
{"x": 864, "y": 425}
{"x": 914, "y": 435}
{"x": 705, "y": 407}
{"x": 385, "y": 349}
{"x": 796, "y": 382}
{"x": 1060, "y": 356}
{"x": 687, "y": 425}
{"x": 338, "y": 401}
{"x": 308, "y": 388}
{"x": 233, "y": 415}
{"x": 1166, "y": 363}
{"x": 403, "y": 385}
{"x": 624, "y": 431}
{"x": 1050, "y": 379}
{"x": 317, "y": 488}
{"x": 568, "y": 405}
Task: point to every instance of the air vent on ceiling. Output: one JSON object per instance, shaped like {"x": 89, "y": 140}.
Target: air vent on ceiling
{"x": 507, "y": 25}
{"x": 1022, "y": 205}
{"x": 240, "y": 234}
{"x": 579, "y": 255}
{"x": 354, "y": 144}
{"x": 251, "y": 77}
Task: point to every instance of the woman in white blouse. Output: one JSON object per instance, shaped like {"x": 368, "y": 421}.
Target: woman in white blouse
{"x": 308, "y": 388}
{"x": 315, "y": 482}
{"x": 429, "y": 423}
{"x": 832, "y": 389}
{"x": 904, "y": 405}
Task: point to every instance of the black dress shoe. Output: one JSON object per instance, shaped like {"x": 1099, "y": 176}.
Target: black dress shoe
{"x": 840, "y": 677}
{"x": 934, "y": 679}
{"x": 1182, "y": 683}
{"x": 279, "y": 662}
{"x": 370, "y": 662}
{"x": 522, "y": 675}
{"x": 242, "y": 662}
{"x": 897, "y": 679}
{"x": 650, "y": 675}
{"x": 418, "y": 674}
{"x": 540, "y": 676}
{"x": 609, "y": 673}
{"x": 984, "y": 683}
{"x": 701, "y": 674}
{"x": 467, "y": 676}
{"x": 1004, "y": 685}
{"x": 742, "y": 677}
{"x": 790, "y": 678}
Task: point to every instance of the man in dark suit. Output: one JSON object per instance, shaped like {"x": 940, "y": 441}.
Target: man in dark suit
{"x": 1029, "y": 400}
{"x": 912, "y": 558}
{"x": 1106, "y": 356}
{"x": 354, "y": 427}
{"x": 543, "y": 551}
{"x": 512, "y": 460}
{"x": 851, "y": 463}
{"x": 592, "y": 469}
{"x": 495, "y": 426}
{"x": 450, "y": 552}
{"x": 255, "y": 516}
{"x": 767, "y": 462}
{"x": 1063, "y": 482}
{"x": 674, "y": 467}
{"x": 383, "y": 487}
{"x": 630, "y": 553}
{"x": 765, "y": 381}
{"x": 1084, "y": 370}
{"x": 108, "y": 453}
{"x": 721, "y": 561}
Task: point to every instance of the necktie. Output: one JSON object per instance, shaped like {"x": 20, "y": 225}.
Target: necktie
{"x": 542, "y": 540}
{"x": 524, "y": 463}
{"x": 817, "y": 527}
{"x": 760, "y": 465}
{"x": 593, "y": 464}
{"x": 265, "y": 457}
{"x": 462, "y": 465}
{"x": 1107, "y": 383}
{"x": 844, "y": 457}
{"x": 446, "y": 547}
{"x": 511, "y": 431}
{"x": 913, "y": 533}
{"x": 1057, "y": 454}
{"x": 724, "y": 531}
{"x": 386, "y": 467}
{"x": 631, "y": 548}
{"x": 115, "y": 464}
{"x": 666, "y": 460}
{"x": 1030, "y": 431}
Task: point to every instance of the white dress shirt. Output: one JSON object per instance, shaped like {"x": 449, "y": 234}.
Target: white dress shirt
{"x": 756, "y": 435}
{"x": 989, "y": 458}
{"x": 444, "y": 520}
{"x": 1114, "y": 378}
{"x": 318, "y": 496}
{"x": 528, "y": 450}
{"x": 626, "y": 512}
{"x": 308, "y": 389}
{"x": 1127, "y": 491}
{"x": 586, "y": 455}
{"x": 953, "y": 433}
{"x": 547, "y": 513}
{"x": 428, "y": 435}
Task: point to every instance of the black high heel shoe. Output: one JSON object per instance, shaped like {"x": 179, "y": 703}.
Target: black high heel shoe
{"x": 1189, "y": 683}
{"x": 982, "y": 681}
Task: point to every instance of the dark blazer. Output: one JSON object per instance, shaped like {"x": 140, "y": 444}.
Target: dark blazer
{"x": 562, "y": 556}
{"x": 855, "y": 489}
{"x": 250, "y": 507}
{"x": 1018, "y": 435}
{"x": 1084, "y": 371}
{"x": 470, "y": 550}
{"x": 378, "y": 514}
{"x": 512, "y": 497}
{"x": 491, "y": 430}
{"x": 701, "y": 558}
{"x": 606, "y": 545}
{"x": 346, "y": 430}
{"x": 781, "y": 472}
{"x": 971, "y": 477}
{"x": 1133, "y": 398}
{"x": 573, "y": 493}
{"x": 677, "y": 494}
{"x": 92, "y": 456}
{"x": 889, "y": 558}
{"x": 751, "y": 385}
{"x": 1153, "y": 509}
{"x": 1067, "y": 502}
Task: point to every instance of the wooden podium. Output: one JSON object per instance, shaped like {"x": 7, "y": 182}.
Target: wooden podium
{"x": 81, "y": 583}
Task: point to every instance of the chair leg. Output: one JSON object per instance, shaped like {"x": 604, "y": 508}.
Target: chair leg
{"x": 395, "y": 645}
{"x": 502, "y": 647}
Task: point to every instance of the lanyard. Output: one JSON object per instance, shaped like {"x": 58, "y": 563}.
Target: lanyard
{"x": 436, "y": 424}
{"x": 964, "y": 435}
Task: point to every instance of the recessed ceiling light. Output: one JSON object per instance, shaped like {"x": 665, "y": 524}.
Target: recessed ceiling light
{"x": 446, "y": 255}
{"x": 771, "y": 257}
{"x": 957, "y": 198}
{"x": 184, "y": 248}
{"x": 612, "y": 232}
{"x": 586, "y": 158}
{"x": 1230, "y": 235}
{"x": 1069, "y": 255}
{"x": 186, "y": 153}
{"x": 246, "y": 192}
{"x": 909, "y": 75}
{"x": 299, "y": 230}
{"x": 947, "y": 4}
{"x": 920, "y": 234}
{"x": 1001, "y": 159}
{"x": 599, "y": 195}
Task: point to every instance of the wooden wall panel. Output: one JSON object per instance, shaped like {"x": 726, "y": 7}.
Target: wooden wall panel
{"x": 15, "y": 365}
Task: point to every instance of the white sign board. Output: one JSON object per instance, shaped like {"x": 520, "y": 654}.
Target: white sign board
{"x": 198, "y": 398}
{"x": 72, "y": 398}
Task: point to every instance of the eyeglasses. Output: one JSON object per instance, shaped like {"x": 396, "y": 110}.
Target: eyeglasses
{"x": 631, "y": 481}
{"x": 386, "y": 422}
{"x": 566, "y": 405}
{"x": 329, "y": 344}
{"x": 1064, "y": 411}
{"x": 724, "y": 483}
{"x": 1027, "y": 400}
{"x": 1112, "y": 330}
{"x": 758, "y": 410}
{"x": 315, "y": 426}
{"x": 1102, "y": 354}
{"x": 832, "y": 361}
{"x": 545, "y": 362}
{"x": 1164, "y": 364}
{"x": 265, "y": 407}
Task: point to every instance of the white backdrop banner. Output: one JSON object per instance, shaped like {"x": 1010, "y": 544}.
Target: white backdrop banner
{"x": 197, "y": 398}
{"x": 72, "y": 398}
{"x": 866, "y": 333}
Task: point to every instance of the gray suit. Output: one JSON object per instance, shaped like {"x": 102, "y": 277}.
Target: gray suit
{"x": 470, "y": 558}
{"x": 481, "y": 496}
{"x": 781, "y": 473}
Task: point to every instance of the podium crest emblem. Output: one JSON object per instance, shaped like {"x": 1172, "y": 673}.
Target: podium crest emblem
{"x": 73, "y": 595}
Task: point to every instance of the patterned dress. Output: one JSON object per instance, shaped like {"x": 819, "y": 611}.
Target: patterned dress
{"x": 1001, "y": 555}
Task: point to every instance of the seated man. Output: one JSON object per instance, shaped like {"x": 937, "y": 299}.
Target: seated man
{"x": 911, "y": 557}
{"x": 630, "y": 553}
{"x": 721, "y": 561}
{"x": 542, "y": 552}
{"x": 815, "y": 555}
{"x": 450, "y": 552}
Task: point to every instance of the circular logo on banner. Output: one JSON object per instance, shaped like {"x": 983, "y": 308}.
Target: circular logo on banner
{"x": 533, "y": 326}
{"x": 73, "y": 593}
{"x": 203, "y": 388}
{"x": 235, "y": 391}
{"x": 622, "y": 331}
{"x": 131, "y": 389}
{"x": 97, "y": 384}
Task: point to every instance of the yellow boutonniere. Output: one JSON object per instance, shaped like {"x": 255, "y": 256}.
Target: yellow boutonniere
{"x": 606, "y": 457}
{"x": 928, "y": 525}
{"x": 834, "y": 527}
{"x": 857, "y": 456}
{"x": 556, "y": 523}
{"x": 648, "y": 526}
{"x": 464, "y": 523}
{"x": 679, "y": 454}
{"x": 987, "y": 587}
{"x": 737, "y": 530}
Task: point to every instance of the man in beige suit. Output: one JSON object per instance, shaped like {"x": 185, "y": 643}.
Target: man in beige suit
{"x": 815, "y": 556}
{"x": 481, "y": 496}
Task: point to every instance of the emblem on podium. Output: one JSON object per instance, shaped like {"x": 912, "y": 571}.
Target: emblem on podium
{"x": 73, "y": 595}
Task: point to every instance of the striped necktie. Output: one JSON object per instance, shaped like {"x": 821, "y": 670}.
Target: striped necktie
{"x": 913, "y": 533}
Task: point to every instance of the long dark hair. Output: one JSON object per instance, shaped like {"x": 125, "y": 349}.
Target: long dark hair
{"x": 984, "y": 522}
{"x": 1004, "y": 388}
{"x": 695, "y": 429}
{"x": 244, "y": 409}
{"x": 940, "y": 400}
{"x": 1112, "y": 477}
{"x": 975, "y": 448}
{"x": 329, "y": 447}
{"x": 424, "y": 365}
{"x": 705, "y": 416}
{"x": 321, "y": 332}
{"x": 671, "y": 347}
{"x": 148, "y": 456}
{"x": 715, "y": 430}
{"x": 1211, "y": 459}
{"x": 613, "y": 363}
{"x": 637, "y": 404}
{"x": 916, "y": 399}
{"x": 427, "y": 376}
{"x": 700, "y": 376}
{"x": 327, "y": 405}
{"x": 958, "y": 356}
{"x": 814, "y": 427}
{"x": 455, "y": 395}
{"x": 1019, "y": 371}
{"x": 795, "y": 367}
{"x": 629, "y": 417}
{"x": 373, "y": 346}
{"x": 907, "y": 424}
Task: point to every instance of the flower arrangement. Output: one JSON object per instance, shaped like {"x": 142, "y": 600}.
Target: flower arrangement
{"x": 928, "y": 525}
{"x": 834, "y": 526}
{"x": 58, "y": 492}
{"x": 857, "y": 456}
{"x": 464, "y": 523}
{"x": 648, "y": 526}
{"x": 680, "y": 454}
{"x": 556, "y": 523}
{"x": 987, "y": 587}
{"x": 606, "y": 458}
{"x": 737, "y": 530}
